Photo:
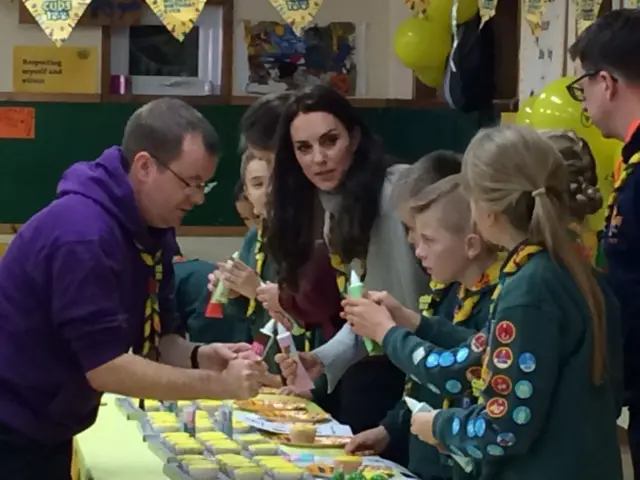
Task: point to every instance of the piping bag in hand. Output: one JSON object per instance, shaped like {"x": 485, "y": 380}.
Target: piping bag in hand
{"x": 356, "y": 288}
{"x": 302, "y": 379}
{"x": 418, "y": 407}
{"x": 219, "y": 297}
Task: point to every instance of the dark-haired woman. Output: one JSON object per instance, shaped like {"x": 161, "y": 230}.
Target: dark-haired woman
{"x": 330, "y": 182}
{"x": 248, "y": 307}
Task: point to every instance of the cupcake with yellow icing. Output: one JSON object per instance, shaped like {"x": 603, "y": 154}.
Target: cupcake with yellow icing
{"x": 247, "y": 473}
{"x": 263, "y": 449}
{"x": 348, "y": 463}
{"x": 302, "y": 433}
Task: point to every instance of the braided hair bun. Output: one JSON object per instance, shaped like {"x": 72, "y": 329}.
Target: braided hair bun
{"x": 585, "y": 197}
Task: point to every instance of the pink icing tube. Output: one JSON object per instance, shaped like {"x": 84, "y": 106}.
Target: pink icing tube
{"x": 302, "y": 380}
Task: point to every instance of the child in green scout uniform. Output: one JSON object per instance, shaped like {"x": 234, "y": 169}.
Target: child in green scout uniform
{"x": 191, "y": 293}
{"x": 245, "y": 275}
{"x": 391, "y": 437}
{"x": 453, "y": 253}
{"x": 547, "y": 401}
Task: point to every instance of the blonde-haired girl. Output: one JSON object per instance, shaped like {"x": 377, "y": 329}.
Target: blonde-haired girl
{"x": 548, "y": 407}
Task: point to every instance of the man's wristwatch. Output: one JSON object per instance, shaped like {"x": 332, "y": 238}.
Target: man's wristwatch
{"x": 194, "y": 357}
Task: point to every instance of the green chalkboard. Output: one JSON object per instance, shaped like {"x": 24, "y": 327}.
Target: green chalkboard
{"x": 71, "y": 132}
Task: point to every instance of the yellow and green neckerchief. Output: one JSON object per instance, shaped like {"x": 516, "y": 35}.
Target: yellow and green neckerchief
{"x": 260, "y": 258}
{"x": 468, "y": 298}
{"x": 152, "y": 326}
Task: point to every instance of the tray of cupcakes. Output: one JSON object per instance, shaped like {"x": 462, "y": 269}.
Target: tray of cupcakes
{"x": 230, "y": 466}
{"x": 158, "y": 423}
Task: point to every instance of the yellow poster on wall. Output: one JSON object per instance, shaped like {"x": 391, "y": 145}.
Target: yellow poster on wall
{"x": 179, "y": 16}
{"x": 297, "y": 13}
{"x": 49, "y": 69}
{"x": 57, "y": 17}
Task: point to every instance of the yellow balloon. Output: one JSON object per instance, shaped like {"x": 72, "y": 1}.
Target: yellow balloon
{"x": 555, "y": 108}
{"x": 440, "y": 10}
{"x": 431, "y": 76}
{"x": 420, "y": 43}
{"x": 523, "y": 117}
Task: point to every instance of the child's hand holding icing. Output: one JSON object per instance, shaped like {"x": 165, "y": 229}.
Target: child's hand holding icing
{"x": 367, "y": 318}
{"x": 422, "y": 426}
{"x": 241, "y": 278}
{"x": 401, "y": 315}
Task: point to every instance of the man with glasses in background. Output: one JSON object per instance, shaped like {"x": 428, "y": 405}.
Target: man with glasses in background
{"x": 86, "y": 294}
{"x": 609, "y": 90}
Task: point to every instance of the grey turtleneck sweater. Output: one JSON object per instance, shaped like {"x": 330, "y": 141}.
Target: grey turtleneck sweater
{"x": 391, "y": 266}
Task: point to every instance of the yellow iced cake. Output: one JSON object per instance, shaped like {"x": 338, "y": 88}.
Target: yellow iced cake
{"x": 202, "y": 471}
{"x": 287, "y": 473}
{"x": 240, "y": 427}
{"x": 263, "y": 449}
{"x": 247, "y": 473}
{"x": 249, "y": 438}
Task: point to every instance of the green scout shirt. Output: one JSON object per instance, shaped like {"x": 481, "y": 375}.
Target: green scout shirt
{"x": 541, "y": 415}
{"x": 424, "y": 460}
{"x": 438, "y": 330}
{"x": 247, "y": 326}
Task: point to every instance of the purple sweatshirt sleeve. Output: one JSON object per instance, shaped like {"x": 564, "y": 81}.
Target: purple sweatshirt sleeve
{"x": 86, "y": 309}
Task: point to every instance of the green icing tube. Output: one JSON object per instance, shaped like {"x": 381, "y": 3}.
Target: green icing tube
{"x": 356, "y": 289}
{"x": 221, "y": 294}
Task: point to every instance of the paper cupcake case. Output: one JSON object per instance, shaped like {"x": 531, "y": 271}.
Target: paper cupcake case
{"x": 175, "y": 471}
{"x": 130, "y": 409}
{"x": 205, "y": 422}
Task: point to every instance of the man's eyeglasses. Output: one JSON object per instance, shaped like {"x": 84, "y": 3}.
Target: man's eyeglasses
{"x": 204, "y": 187}
{"x": 575, "y": 88}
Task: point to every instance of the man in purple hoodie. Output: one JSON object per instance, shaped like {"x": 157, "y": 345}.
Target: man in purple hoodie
{"x": 86, "y": 295}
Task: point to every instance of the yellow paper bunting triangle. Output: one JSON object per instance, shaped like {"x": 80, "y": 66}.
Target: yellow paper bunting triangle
{"x": 57, "y": 17}
{"x": 179, "y": 16}
{"x": 533, "y": 11}
{"x": 297, "y": 13}
{"x": 586, "y": 14}
{"x": 418, "y": 7}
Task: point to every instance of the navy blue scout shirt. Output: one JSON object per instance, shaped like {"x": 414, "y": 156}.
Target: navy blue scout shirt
{"x": 73, "y": 287}
{"x": 621, "y": 243}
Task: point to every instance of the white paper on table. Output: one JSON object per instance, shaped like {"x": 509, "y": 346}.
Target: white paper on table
{"x": 329, "y": 429}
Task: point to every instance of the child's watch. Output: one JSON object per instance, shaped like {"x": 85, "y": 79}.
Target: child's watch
{"x": 194, "y": 357}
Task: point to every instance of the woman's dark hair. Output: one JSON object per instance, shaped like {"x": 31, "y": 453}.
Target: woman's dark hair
{"x": 238, "y": 191}
{"x": 259, "y": 123}
{"x": 294, "y": 223}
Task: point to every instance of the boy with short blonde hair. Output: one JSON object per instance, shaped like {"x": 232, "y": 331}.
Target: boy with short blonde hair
{"x": 453, "y": 253}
